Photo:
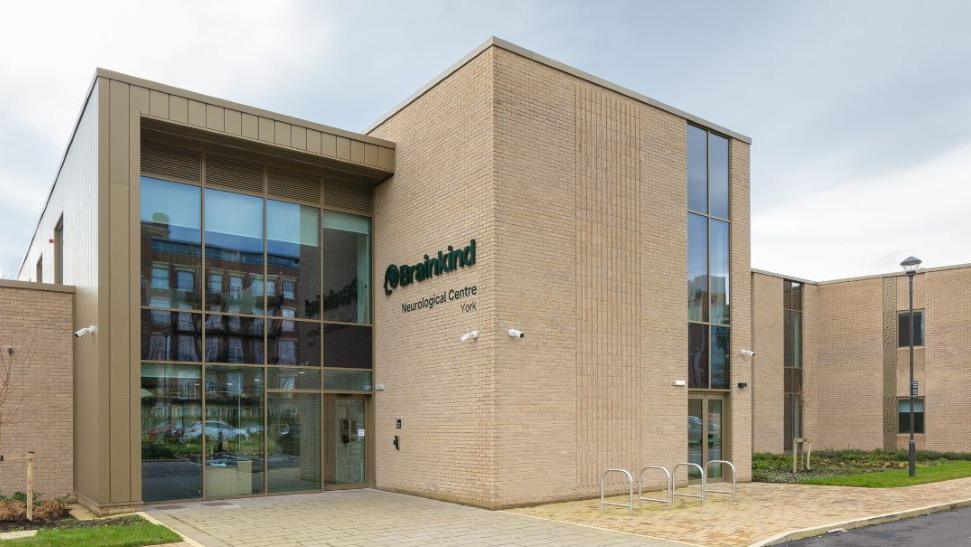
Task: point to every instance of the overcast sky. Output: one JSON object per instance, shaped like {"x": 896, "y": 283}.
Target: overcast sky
{"x": 860, "y": 112}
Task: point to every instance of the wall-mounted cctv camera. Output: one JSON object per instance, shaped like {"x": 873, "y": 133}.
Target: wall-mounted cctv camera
{"x": 471, "y": 335}
{"x": 91, "y": 329}
{"x": 515, "y": 333}
{"x": 747, "y": 352}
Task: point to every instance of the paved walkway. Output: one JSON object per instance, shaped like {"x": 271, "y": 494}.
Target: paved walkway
{"x": 762, "y": 510}
{"x": 373, "y": 517}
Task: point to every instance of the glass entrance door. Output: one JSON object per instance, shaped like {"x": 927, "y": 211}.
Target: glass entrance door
{"x": 706, "y": 432}
{"x": 344, "y": 435}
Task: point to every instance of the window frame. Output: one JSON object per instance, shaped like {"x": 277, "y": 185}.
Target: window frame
{"x": 709, "y": 218}
{"x": 921, "y": 333}
{"x": 920, "y": 423}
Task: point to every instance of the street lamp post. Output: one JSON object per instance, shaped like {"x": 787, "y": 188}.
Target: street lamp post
{"x": 910, "y": 265}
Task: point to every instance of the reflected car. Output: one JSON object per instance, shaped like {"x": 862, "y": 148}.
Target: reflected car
{"x": 215, "y": 429}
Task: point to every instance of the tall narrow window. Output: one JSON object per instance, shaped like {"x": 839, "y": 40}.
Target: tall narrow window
{"x": 709, "y": 261}
{"x": 40, "y": 270}
{"x": 792, "y": 360}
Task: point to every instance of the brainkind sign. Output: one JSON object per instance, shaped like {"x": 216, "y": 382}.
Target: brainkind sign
{"x": 446, "y": 261}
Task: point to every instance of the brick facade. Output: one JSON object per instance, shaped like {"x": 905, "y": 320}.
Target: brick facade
{"x": 854, "y": 370}
{"x": 576, "y": 195}
{"x": 36, "y": 321}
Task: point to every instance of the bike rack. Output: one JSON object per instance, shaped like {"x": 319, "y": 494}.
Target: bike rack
{"x": 703, "y": 483}
{"x": 668, "y": 488}
{"x": 630, "y": 490}
{"x": 734, "y": 492}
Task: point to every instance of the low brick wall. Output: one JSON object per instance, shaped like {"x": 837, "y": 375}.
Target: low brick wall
{"x": 36, "y": 321}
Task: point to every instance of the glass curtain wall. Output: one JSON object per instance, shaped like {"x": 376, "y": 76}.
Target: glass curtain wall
{"x": 252, "y": 309}
{"x": 792, "y": 360}
{"x": 709, "y": 245}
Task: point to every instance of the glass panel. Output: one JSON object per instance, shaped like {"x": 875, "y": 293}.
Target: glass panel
{"x": 717, "y": 175}
{"x": 347, "y": 346}
{"x": 697, "y": 355}
{"x": 347, "y": 380}
{"x": 234, "y": 431}
{"x": 234, "y": 252}
{"x": 792, "y": 295}
{"x": 695, "y": 428}
{"x": 289, "y": 379}
{"x": 293, "y": 259}
{"x": 234, "y": 339}
{"x": 293, "y": 343}
{"x": 903, "y": 415}
{"x": 171, "y": 335}
{"x": 789, "y": 416}
{"x": 293, "y": 441}
{"x": 697, "y": 268}
{"x": 720, "y": 275}
{"x": 347, "y": 267}
{"x": 720, "y": 357}
{"x": 697, "y": 169}
{"x": 344, "y": 437}
{"x": 171, "y": 456}
{"x": 715, "y": 436}
{"x": 171, "y": 244}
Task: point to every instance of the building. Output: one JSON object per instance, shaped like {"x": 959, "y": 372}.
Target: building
{"x": 832, "y": 361}
{"x": 518, "y": 278}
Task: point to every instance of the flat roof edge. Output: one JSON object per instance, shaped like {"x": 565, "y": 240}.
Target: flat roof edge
{"x": 34, "y": 286}
{"x": 861, "y": 277}
{"x": 562, "y": 67}
{"x": 255, "y": 111}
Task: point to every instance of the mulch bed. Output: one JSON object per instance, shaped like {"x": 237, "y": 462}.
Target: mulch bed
{"x": 69, "y": 522}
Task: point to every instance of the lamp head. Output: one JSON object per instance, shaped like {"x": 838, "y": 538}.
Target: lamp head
{"x": 910, "y": 265}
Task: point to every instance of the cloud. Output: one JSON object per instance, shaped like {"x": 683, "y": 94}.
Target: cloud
{"x": 868, "y": 225}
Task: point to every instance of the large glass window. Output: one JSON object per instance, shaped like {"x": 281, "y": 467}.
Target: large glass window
{"x": 347, "y": 267}
{"x": 717, "y": 176}
{"x": 903, "y": 328}
{"x": 719, "y": 272}
{"x": 171, "y": 413}
{"x": 347, "y": 346}
{"x": 697, "y": 169}
{"x": 293, "y": 441}
{"x": 171, "y": 244}
{"x": 903, "y": 415}
{"x": 234, "y": 250}
{"x": 697, "y": 268}
{"x": 709, "y": 261}
{"x": 171, "y": 335}
{"x": 293, "y": 261}
{"x": 236, "y": 284}
{"x": 234, "y": 431}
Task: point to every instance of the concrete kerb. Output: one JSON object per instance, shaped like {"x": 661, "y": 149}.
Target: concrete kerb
{"x": 793, "y": 535}
{"x": 185, "y": 538}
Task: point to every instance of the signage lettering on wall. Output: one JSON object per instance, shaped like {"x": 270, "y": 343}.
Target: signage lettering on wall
{"x": 446, "y": 261}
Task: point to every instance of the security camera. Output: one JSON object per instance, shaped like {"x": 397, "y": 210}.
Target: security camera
{"x": 91, "y": 329}
{"x": 747, "y": 352}
{"x": 515, "y": 333}
{"x": 471, "y": 335}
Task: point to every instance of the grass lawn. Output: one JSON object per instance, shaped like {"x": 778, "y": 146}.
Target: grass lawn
{"x": 120, "y": 532}
{"x": 875, "y": 469}
{"x": 899, "y": 477}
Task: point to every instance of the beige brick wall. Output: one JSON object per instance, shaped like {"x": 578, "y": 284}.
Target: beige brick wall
{"x": 38, "y": 411}
{"x": 577, "y": 197}
{"x": 947, "y": 385}
{"x": 844, "y": 384}
{"x": 854, "y": 369}
{"x": 768, "y": 383}
{"x": 443, "y": 390}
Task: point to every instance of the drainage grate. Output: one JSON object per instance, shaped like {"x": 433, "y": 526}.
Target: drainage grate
{"x": 216, "y": 503}
{"x": 168, "y": 507}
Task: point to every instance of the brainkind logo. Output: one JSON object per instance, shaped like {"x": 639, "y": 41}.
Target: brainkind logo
{"x": 446, "y": 261}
